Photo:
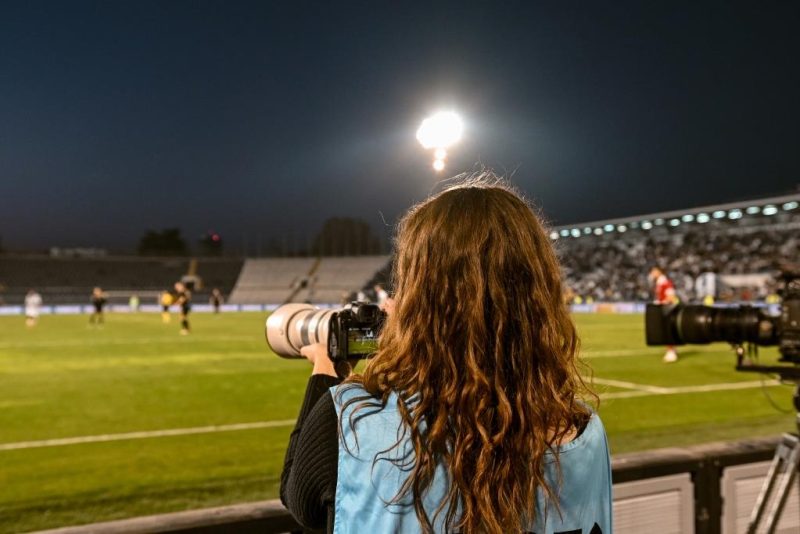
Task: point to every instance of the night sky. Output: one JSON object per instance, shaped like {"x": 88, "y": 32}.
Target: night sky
{"x": 263, "y": 119}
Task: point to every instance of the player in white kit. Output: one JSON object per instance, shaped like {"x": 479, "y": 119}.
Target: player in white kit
{"x": 33, "y": 305}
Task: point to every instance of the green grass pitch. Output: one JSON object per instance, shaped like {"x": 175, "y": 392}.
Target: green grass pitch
{"x": 62, "y": 379}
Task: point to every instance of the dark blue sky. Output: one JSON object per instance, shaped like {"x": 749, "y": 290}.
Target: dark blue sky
{"x": 266, "y": 118}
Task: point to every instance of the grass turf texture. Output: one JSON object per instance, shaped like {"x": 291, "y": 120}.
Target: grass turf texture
{"x": 62, "y": 379}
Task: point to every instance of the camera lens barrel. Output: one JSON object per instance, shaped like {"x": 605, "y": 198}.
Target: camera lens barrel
{"x": 702, "y": 324}
{"x": 293, "y": 326}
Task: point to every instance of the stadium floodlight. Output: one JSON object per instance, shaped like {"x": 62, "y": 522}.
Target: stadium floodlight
{"x": 587, "y": 230}
{"x": 719, "y": 214}
{"x": 621, "y": 228}
{"x": 634, "y": 224}
{"x": 441, "y": 130}
{"x": 575, "y": 232}
{"x": 553, "y": 235}
{"x": 565, "y": 233}
{"x": 687, "y": 218}
{"x": 790, "y": 206}
{"x": 598, "y": 231}
{"x": 735, "y": 214}
{"x": 646, "y": 225}
{"x": 703, "y": 218}
{"x": 609, "y": 228}
{"x": 752, "y": 210}
{"x": 674, "y": 222}
{"x": 659, "y": 222}
{"x": 770, "y": 210}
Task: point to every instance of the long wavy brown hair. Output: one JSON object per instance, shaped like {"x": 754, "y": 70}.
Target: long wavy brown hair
{"x": 481, "y": 339}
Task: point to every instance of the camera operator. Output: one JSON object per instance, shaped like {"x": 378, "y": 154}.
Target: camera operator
{"x": 468, "y": 417}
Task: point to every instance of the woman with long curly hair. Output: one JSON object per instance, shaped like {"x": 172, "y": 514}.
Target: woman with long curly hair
{"x": 469, "y": 417}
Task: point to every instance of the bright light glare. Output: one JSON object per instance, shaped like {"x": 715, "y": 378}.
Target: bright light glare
{"x": 440, "y": 153}
{"x": 441, "y": 130}
{"x": 790, "y": 205}
{"x": 703, "y": 218}
{"x": 553, "y": 235}
{"x": 438, "y": 165}
{"x": 646, "y": 225}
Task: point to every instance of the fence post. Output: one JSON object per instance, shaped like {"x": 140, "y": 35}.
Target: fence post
{"x": 707, "y": 497}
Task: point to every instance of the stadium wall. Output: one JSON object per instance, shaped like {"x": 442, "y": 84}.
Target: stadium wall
{"x": 705, "y": 489}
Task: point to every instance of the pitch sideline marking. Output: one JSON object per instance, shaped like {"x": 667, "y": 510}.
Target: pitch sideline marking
{"x": 589, "y": 354}
{"x": 143, "y": 435}
{"x": 644, "y": 388}
{"x": 639, "y": 390}
{"x": 96, "y": 342}
{"x": 691, "y": 389}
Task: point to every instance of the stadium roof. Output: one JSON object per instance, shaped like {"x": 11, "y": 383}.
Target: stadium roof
{"x": 732, "y": 210}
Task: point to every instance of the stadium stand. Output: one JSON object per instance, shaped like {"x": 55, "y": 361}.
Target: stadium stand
{"x": 610, "y": 260}
{"x": 603, "y": 261}
{"x": 70, "y": 280}
{"x": 319, "y": 281}
{"x": 337, "y": 278}
{"x": 270, "y": 280}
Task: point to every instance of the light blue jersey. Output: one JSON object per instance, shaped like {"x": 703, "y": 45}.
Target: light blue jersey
{"x": 365, "y": 489}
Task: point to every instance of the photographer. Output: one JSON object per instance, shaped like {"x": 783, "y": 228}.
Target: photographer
{"x": 468, "y": 417}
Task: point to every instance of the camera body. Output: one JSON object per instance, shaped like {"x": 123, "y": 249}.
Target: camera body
{"x": 348, "y": 332}
{"x": 697, "y": 324}
{"x": 353, "y": 331}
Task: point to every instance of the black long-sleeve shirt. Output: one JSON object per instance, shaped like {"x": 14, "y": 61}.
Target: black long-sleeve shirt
{"x": 308, "y": 480}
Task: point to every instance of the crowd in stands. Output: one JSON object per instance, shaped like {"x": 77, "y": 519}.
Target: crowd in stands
{"x": 613, "y": 266}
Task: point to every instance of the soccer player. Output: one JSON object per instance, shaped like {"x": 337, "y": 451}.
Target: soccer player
{"x": 99, "y": 300}
{"x": 216, "y": 299}
{"x": 33, "y": 304}
{"x": 665, "y": 294}
{"x": 183, "y": 298}
{"x": 166, "y": 301}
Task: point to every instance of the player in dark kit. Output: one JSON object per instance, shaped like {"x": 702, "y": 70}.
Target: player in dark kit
{"x": 99, "y": 300}
{"x": 183, "y": 298}
{"x": 216, "y": 299}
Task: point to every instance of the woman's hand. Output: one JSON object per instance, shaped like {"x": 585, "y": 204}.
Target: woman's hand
{"x": 317, "y": 354}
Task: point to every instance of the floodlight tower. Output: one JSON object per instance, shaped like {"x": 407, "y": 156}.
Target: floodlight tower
{"x": 439, "y": 132}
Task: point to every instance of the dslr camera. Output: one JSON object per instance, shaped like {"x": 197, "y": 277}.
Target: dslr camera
{"x": 697, "y": 324}
{"x": 349, "y": 332}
